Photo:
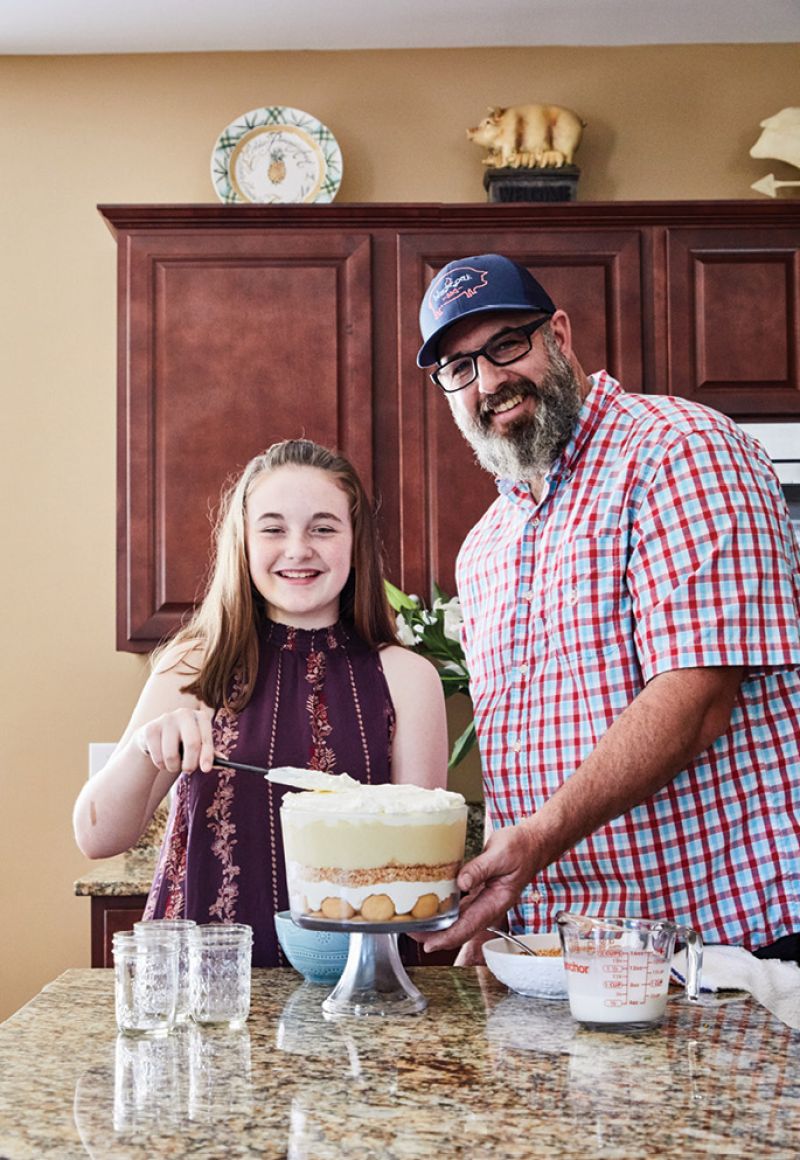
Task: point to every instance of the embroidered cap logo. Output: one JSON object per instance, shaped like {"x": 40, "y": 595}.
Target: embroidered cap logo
{"x": 457, "y": 282}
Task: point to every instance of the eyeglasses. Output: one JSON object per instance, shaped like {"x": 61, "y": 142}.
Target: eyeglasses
{"x": 503, "y": 348}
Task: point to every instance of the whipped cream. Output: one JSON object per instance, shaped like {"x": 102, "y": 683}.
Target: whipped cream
{"x": 312, "y": 779}
{"x": 374, "y": 799}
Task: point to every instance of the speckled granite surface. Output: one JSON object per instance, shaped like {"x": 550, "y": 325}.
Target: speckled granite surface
{"x": 129, "y": 873}
{"x": 132, "y": 872}
{"x": 483, "y": 1073}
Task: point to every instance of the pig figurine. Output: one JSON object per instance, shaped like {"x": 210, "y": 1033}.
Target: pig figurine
{"x": 528, "y": 136}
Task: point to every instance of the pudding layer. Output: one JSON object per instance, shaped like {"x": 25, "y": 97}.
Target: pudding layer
{"x": 353, "y": 843}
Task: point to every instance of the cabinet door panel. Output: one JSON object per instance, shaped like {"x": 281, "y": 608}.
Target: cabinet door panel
{"x": 112, "y": 913}
{"x": 234, "y": 341}
{"x": 596, "y": 277}
{"x": 734, "y": 311}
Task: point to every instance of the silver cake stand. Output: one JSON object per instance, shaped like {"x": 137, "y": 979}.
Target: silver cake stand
{"x": 374, "y": 980}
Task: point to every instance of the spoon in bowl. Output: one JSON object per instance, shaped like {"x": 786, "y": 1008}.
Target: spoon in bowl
{"x": 513, "y": 939}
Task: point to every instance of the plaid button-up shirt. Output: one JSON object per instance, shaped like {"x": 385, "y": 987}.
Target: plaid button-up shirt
{"x": 661, "y": 542}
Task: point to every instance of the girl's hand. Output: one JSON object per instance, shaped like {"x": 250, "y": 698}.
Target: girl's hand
{"x": 180, "y": 741}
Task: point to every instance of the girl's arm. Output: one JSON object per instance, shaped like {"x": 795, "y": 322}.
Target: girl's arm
{"x": 168, "y": 731}
{"x": 419, "y": 752}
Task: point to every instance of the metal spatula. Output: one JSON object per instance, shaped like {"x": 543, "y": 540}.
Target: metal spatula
{"x": 224, "y": 761}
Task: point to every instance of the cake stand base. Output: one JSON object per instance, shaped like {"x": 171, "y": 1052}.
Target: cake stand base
{"x": 374, "y": 981}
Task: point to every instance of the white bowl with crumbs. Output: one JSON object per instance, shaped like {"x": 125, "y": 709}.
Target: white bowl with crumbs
{"x": 539, "y": 977}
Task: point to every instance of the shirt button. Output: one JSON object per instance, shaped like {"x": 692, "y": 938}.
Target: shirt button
{"x": 528, "y": 595}
{"x": 535, "y": 521}
{"x": 572, "y": 595}
{"x": 523, "y": 670}
{"x": 516, "y": 746}
{"x": 536, "y": 896}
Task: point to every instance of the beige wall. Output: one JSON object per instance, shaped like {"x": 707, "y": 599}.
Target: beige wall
{"x": 663, "y": 123}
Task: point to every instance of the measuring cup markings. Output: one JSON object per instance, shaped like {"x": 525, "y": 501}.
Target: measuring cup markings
{"x": 618, "y": 969}
{"x": 623, "y": 979}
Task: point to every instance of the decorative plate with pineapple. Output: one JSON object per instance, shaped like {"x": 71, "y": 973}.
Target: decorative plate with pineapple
{"x": 276, "y": 155}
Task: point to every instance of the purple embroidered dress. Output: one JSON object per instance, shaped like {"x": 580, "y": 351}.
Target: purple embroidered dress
{"x": 320, "y": 702}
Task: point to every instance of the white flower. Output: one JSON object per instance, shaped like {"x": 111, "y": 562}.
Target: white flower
{"x": 404, "y": 632}
{"x": 453, "y": 619}
{"x": 436, "y": 633}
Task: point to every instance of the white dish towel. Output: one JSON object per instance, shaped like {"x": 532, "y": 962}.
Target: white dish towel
{"x": 774, "y": 984}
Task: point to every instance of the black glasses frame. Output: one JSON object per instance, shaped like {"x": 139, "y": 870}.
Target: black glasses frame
{"x": 528, "y": 329}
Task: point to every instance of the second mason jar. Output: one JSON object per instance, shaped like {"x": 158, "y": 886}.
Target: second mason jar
{"x": 176, "y": 931}
{"x": 220, "y": 959}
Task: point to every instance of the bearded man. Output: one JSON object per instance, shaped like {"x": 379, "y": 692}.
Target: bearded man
{"x": 632, "y": 631}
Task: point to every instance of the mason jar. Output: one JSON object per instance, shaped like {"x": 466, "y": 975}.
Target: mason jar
{"x": 220, "y": 960}
{"x": 145, "y": 984}
{"x": 174, "y": 930}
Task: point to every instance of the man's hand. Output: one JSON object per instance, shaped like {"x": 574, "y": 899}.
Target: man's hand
{"x": 493, "y": 882}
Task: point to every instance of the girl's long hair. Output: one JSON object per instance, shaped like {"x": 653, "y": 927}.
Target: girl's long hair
{"x": 225, "y": 624}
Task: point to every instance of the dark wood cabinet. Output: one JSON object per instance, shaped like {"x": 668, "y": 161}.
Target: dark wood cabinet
{"x": 242, "y": 325}
{"x": 212, "y": 371}
{"x": 734, "y": 317}
{"x": 111, "y": 913}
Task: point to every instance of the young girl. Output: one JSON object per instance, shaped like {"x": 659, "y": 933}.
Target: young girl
{"x": 291, "y": 659}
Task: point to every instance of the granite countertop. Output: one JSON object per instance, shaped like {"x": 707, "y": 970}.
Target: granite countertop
{"x": 128, "y": 873}
{"x": 482, "y": 1073}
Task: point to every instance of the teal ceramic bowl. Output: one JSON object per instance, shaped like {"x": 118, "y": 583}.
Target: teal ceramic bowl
{"x": 319, "y": 955}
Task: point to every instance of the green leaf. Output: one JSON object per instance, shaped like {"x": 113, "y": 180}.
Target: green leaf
{"x": 453, "y": 683}
{"x": 462, "y": 746}
{"x": 398, "y": 600}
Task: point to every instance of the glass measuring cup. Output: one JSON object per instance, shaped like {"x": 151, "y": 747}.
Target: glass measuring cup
{"x": 618, "y": 968}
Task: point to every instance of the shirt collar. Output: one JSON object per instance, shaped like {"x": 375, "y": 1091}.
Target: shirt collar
{"x": 602, "y": 389}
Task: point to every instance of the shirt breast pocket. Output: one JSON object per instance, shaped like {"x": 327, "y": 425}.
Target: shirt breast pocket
{"x": 588, "y": 610}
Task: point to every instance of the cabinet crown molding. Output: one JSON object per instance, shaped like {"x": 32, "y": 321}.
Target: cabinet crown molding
{"x": 454, "y": 216}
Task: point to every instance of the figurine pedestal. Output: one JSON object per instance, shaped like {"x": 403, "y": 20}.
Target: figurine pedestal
{"x": 532, "y": 184}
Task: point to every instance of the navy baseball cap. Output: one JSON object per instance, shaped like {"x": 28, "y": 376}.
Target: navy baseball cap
{"x": 472, "y": 286}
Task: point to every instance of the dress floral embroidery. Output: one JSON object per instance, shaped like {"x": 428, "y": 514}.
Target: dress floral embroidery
{"x": 223, "y": 827}
{"x": 221, "y": 824}
{"x": 226, "y": 723}
{"x": 171, "y": 872}
{"x": 322, "y": 756}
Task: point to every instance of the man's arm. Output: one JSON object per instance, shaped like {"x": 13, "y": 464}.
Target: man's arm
{"x": 677, "y": 716}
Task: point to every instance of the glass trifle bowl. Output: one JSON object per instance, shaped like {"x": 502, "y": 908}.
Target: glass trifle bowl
{"x": 374, "y": 860}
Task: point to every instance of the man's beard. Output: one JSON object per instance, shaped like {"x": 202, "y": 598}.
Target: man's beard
{"x": 528, "y": 446}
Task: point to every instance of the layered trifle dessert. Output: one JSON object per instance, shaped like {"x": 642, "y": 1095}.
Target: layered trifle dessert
{"x": 378, "y": 854}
